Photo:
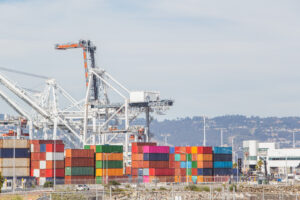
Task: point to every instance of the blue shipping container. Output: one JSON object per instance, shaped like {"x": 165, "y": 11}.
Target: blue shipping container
{"x": 205, "y": 171}
{"x": 140, "y": 172}
{"x": 172, "y": 149}
{"x": 194, "y": 179}
{"x": 183, "y": 164}
{"x": 222, "y": 150}
{"x": 156, "y": 156}
{"x": 42, "y": 147}
{"x": 222, "y": 171}
{"x": 19, "y": 153}
{"x": 58, "y": 180}
{"x": 225, "y": 164}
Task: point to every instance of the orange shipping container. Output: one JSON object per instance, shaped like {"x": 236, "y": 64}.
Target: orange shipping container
{"x": 182, "y": 150}
{"x": 204, "y": 157}
{"x": 177, "y": 172}
{"x": 137, "y": 156}
{"x": 194, "y": 157}
{"x": 35, "y": 164}
{"x": 182, "y": 157}
{"x": 109, "y": 156}
{"x": 200, "y": 179}
{"x": 177, "y": 164}
{"x": 205, "y": 164}
{"x": 137, "y": 164}
{"x": 109, "y": 172}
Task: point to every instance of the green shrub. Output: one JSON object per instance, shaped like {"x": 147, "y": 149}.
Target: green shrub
{"x": 232, "y": 186}
{"x": 114, "y": 183}
{"x": 48, "y": 184}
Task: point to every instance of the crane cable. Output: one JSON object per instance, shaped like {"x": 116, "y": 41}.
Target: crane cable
{"x": 23, "y": 73}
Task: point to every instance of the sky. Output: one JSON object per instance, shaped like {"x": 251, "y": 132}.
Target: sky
{"x": 212, "y": 57}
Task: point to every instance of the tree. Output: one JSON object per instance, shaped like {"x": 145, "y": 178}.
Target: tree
{"x": 234, "y": 165}
{"x": 259, "y": 165}
{"x": 1, "y": 181}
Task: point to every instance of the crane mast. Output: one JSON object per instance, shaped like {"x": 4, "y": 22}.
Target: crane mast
{"x": 88, "y": 48}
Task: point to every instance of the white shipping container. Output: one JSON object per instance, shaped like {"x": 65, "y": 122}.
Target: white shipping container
{"x": 10, "y": 143}
{"x": 9, "y": 171}
{"x": 36, "y": 173}
{"x": 9, "y": 162}
{"x": 32, "y": 147}
{"x": 43, "y": 164}
{"x": 57, "y": 156}
{"x": 42, "y": 180}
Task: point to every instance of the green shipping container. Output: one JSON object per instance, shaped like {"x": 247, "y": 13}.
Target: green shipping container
{"x": 111, "y": 164}
{"x": 177, "y": 157}
{"x": 79, "y": 171}
{"x": 109, "y": 149}
{"x": 194, "y": 164}
{"x": 87, "y": 147}
{"x": 98, "y": 179}
{"x": 189, "y": 172}
{"x": 189, "y": 157}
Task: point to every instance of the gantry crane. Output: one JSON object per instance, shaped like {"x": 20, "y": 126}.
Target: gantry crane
{"x": 98, "y": 118}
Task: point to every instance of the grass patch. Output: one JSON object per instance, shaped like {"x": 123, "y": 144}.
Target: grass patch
{"x": 162, "y": 189}
{"x": 197, "y": 188}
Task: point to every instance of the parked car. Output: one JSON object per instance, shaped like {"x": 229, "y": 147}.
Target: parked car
{"x": 82, "y": 188}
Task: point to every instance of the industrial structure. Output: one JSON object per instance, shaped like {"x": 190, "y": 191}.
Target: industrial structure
{"x": 98, "y": 118}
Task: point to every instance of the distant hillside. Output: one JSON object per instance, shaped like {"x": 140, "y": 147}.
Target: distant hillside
{"x": 189, "y": 131}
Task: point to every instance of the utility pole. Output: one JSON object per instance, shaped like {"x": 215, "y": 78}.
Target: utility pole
{"x": 204, "y": 133}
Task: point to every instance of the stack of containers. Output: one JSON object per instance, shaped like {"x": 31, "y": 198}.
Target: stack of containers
{"x": 109, "y": 162}
{"x": 222, "y": 161}
{"x": 137, "y": 157}
{"x": 79, "y": 166}
{"x": 204, "y": 164}
{"x": 18, "y": 165}
{"x": 183, "y": 164}
{"x": 47, "y": 160}
{"x": 156, "y": 164}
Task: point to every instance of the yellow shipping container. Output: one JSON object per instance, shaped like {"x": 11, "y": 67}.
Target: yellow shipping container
{"x": 109, "y": 172}
{"x": 109, "y": 156}
{"x": 204, "y": 157}
{"x": 200, "y": 179}
{"x": 194, "y": 150}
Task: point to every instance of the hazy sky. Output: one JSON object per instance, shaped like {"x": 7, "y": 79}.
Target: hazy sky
{"x": 212, "y": 57}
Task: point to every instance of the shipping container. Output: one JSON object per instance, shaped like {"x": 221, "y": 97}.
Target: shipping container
{"x": 19, "y": 153}
{"x": 109, "y": 172}
{"x": 222, "y": 171}
{"x": 14, "y": 143}
{"x": 205, "y": 172}
{"x": 156, "y": 157}
{"x": 9, "y": 171}
{"x": 109, "y": 156}
{"x": 222, "y": 164}
{"x": 38, "y": 156}
{"x": 58, "y": 147}
{"x": 58, "y": 164}
{"x": 204, "y": 164}
{"x": 54, "y": 156}
{"x": 204, "y": 150}
{"x": 109, "y": 164}
{"x": 58, "y": 172}
{"x": 222, "y": 150}
{"x": 156, "y": 149}
{"x": 222, "y": 157}
{"x": 18, "y": 162}
{"x": 186, "y": 164}
{"x": 79, "y": 162}
{"x": 172, "y": 150}
{"x": 79, "y": 179}
{"x": 79, "y": 171}
{"x": 143, "y": 144}
{"x": 80, "y": 153}
{"x": 109, "y": 149}
{"x": 204, "y": 157}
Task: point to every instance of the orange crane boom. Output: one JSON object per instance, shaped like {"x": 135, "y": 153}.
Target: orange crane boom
{"x": 87, "y": 47}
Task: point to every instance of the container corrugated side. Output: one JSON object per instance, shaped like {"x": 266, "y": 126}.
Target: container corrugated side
{"x": 9, "y": 171}
{"x": 109, "y": 164}
{"x": 80, "y": 153}
{"x": 109, "y": 172}
{"x": 79, "y": 171}
{"x": 79, "y": 162}
{"x": 19, "y": 162}
{"x": 11, "y": 143}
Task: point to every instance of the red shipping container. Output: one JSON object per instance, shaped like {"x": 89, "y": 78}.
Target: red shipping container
{"x": 38, "y": 156}
{"x": 128, "y": 170}
{"x": 164, "y": 172}
{"x": 42, "y": 173}
{"x": 145, "y": 164}
{"x": 50, "y": 142}
{"x": 134, "y": 149}
{"x": 137, "y": 156}
{"x": 80, "y": 153}
{"x": 194, "y": 157}
{"x": 31, "y": 172}
{"x": 188, "y": 149}
{"x": 158, "y": 164}
{"x": 171, "y": 157}
{"x": 177, "y": 164}
{"x": 59, "y": 173}
{"x": 204, "y": 150}
{"x": 79, "y": 179}
{"x": 79, "y": 162}
{"x": 194, "y": 172}
{"x": 35, "y": 164}
{"x": 182, "y": 172}
{"x": 171, "y": 164}
{"x": 177, "y": 150}
{"x": 58, "y": 147}
{"x": 36, "y": 148}
{"x": 151, "y": 172}
{"x": 134, "y": 172}
{"x": 34, "y": 142}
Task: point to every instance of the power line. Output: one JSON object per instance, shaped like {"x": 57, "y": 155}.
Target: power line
{"x": 23, "y": 73}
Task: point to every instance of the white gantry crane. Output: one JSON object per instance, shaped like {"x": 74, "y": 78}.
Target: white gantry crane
{"x": 105, "y": 115}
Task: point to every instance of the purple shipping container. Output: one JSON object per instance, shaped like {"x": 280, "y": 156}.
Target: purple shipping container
{"x": 156, "y": 149}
